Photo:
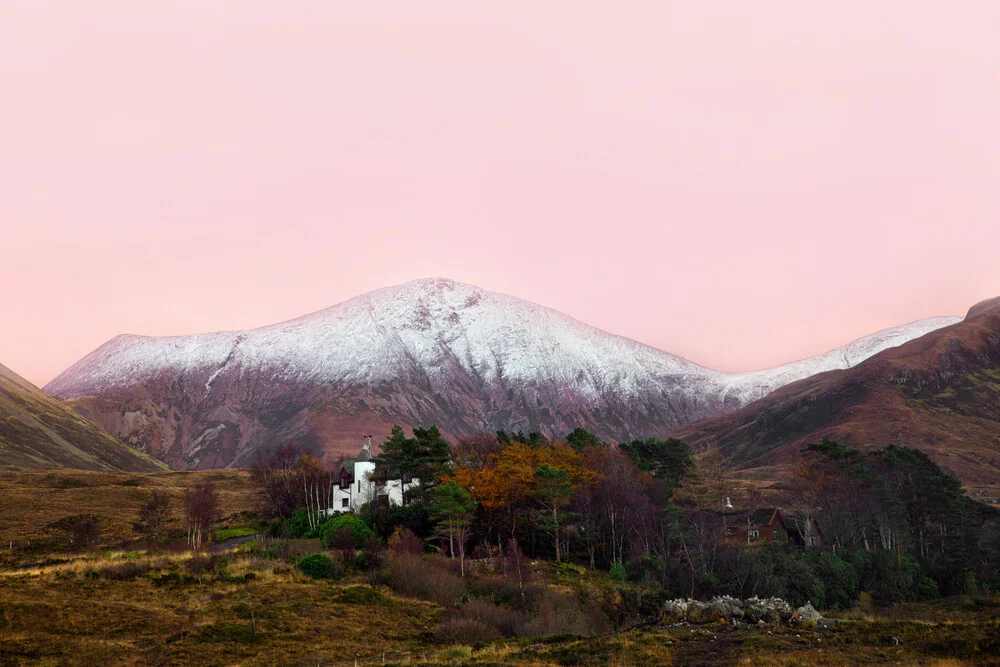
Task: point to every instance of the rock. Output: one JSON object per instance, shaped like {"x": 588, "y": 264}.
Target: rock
{"x": 726, "y": 607}
{"x": 675, "y": 610}
{"x": 770, "y": 610}
{"x": 698, "y": 612}
{"x": 808, "y": 613}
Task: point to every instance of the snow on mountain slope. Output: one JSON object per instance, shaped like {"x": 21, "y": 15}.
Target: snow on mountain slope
{"x": 749, "y": 387}
{"x": 436, "y": 323}
{"x": 432, "y": 324}
{"x": 428, "y": 351}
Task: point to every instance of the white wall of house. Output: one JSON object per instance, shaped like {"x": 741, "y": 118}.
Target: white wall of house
{"x": 363, "y": 490}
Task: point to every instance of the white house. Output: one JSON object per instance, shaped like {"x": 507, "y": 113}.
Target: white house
{"x": 356, "y": 484}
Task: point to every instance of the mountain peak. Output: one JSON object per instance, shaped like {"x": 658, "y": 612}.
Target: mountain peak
{"x": 427, "y": 351}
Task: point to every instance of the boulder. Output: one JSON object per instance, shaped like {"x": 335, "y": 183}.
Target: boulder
{"x": 675, "y": 610}
{"x": 698, "y": 612}
{"x": 808, "y": 613}
{"x": 726, "y": 607}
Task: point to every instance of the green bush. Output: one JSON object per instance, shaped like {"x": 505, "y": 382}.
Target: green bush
{"x": 840, "y": 579}
{"x": 318, "y": 566}
{"x": 297, "y": 525}
{"x": 888, "y": 576}
{"x": 801, "y": 583}
{"x": 645, "y": 569}
{"x": 928, "y": 589}
{"x": 618, "y": 572}
{"x": 970, "y": 584}
{"x": 358, "y": 529}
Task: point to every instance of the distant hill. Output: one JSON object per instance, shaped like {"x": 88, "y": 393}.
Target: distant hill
{"x": 427, "y": 352}
{"x": 939, "y": 393}
{"x": 38, "y": 431}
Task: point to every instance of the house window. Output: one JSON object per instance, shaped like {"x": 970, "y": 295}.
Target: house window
{"x": 345, "y": 503}
{"x": 345, "y": 482}
{"x": 753, "y": 534}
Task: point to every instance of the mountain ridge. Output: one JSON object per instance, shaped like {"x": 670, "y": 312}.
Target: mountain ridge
{"x": 939, "y": 393}
{"x": 427, "y": 351}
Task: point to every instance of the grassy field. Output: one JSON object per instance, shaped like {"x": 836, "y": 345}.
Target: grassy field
{"x": 31, "y": 501}
{"x": 121, "y": 603}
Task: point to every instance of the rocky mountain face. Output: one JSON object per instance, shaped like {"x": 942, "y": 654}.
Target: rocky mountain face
{"x": 37, "y": 431}
{"x": 427, "y": 352}
{"x": 939, "y": 393}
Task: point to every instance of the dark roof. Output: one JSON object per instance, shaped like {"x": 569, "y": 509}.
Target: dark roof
{"x": 798, "y": 523}
{"x": 761, "y": 517}
{"x": 364, "y": 455}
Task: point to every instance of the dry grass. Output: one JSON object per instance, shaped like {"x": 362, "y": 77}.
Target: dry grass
{"x": 33, "y": 500}
{"x": 131, "y": 606}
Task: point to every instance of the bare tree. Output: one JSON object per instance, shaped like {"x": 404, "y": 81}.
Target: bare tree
{"x": 276, "y": 478}
{"x": 475, "y": 451}
{"x": 202, "y": 504}
{"x": 514, "y": 564}
{"x": 154, "y": 516}
{"x": 316, "y": 482}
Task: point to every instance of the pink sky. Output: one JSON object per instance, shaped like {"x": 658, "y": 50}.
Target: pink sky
{"x": 743, "y": 184}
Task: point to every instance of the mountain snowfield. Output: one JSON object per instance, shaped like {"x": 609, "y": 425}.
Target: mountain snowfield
{"x": 431, "y": 350}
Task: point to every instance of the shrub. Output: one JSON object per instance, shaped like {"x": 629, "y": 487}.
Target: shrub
{"x": 84, "y": 530}
{"x": 618, "y": 572}
{"x": 504, "y": 590}
{"x": 888, "y": 576}
{"x": 927, "y": 589}
{"x": 645, "y": 569}
{"x": 405, "y": 541}
{"x": 425, "y": 577}
{"x": 840, "y": 578}
{"x": 297, "y": 525}
{"x": 318, "y": 566}
{"x": 561, "y": 614}
{"x": 801, "y": 584}
{"x": 362, "y": 596}
{"x": 172, "y": 579}
{"x": 126, "y": 571}
{"x": 508, "y": 622}
{"x": 373, "y": 554}
{"x": 970, "y": 586}
{"x": 345, "y": 524}
{"x": 464, "y": 631}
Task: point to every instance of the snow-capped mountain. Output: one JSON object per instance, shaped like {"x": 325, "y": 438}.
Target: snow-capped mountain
{"x": 429, "y": 351}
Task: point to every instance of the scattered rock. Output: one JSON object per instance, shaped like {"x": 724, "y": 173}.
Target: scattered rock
{"x": 726, "y": 607}
{"x": 674, "y": 610}
{"x": 698, "y": 612}
{"x": 808, "y": 613}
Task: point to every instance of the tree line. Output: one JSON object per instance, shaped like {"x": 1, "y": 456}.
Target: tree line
{"x": 895, "y": 525}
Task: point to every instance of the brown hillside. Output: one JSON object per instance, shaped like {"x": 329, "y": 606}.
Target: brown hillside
{"x": 939, "y": 393}
{"x": 37, "y": 431}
